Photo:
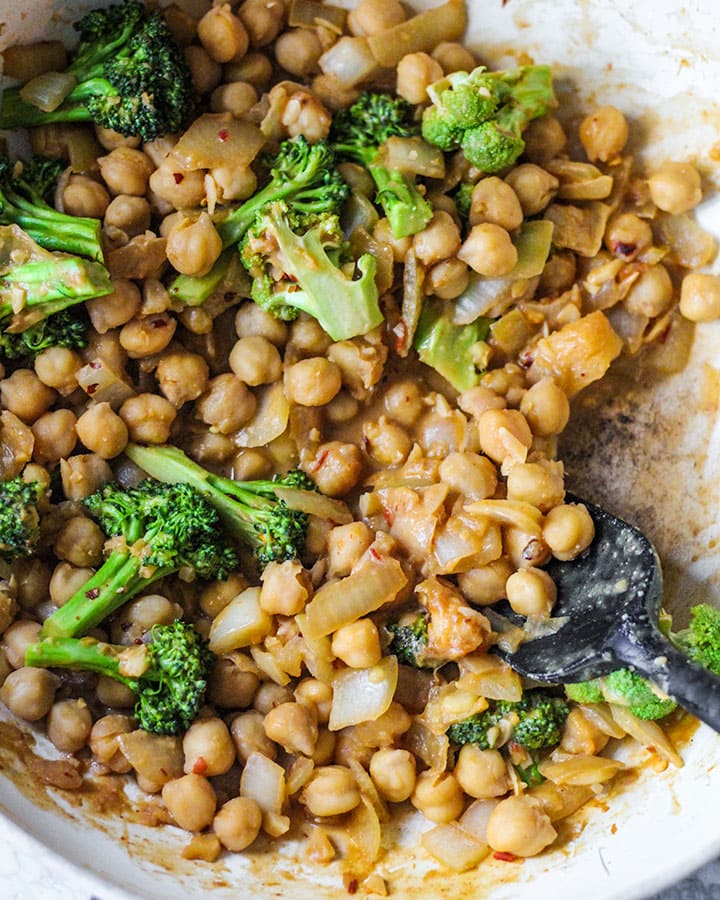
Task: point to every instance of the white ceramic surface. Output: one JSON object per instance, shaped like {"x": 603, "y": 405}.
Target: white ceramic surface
{"x": 658, "y": 60}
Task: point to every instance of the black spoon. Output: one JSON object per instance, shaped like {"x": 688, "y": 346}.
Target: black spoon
{"x": 611, "y": 597}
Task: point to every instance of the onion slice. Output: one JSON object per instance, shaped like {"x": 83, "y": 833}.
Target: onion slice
{"x": 363, "y": 695}
{"x": 47, "y": 91}
{"x": 454, "y": 847}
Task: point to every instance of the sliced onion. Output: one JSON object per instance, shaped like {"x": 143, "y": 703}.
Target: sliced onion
{"x": 349, "y": 61}
{"x": 691, "y": 246}
{"x": 476, "y": 816}
{"x": 264, "y": 782}
{"x": 315, "y": 505}
{"x": 318, "y": 655}
{"x": 449, "y": 704}
{"x": 47, "y": 91}
{"x": 16, "y": 444}
{"x": 343, "y": 602}
{"x": 412, "y": 300}
{"x": 647, "y": 733}
{"x": 431, "y": 748}
{"x": 218, "y": 139}
{"x": 157, "y": 759}
{"x": 358, "y": 212}
{"x": 269, "y": 665}
{"x": 601, "y": 717}
{"x": 515, "y": 513}
{"x": 363, "y": 695}
{"x": 421, "y": 33}
{"x": 368, "y": 790}
{"x": 270, "y": 419}
{"x": 560, "y": 800}
{"x": 104, "y": 384}
{"x": 581, "y": 770}
{"x": 454, "y": 847}
{"x": 489, "y": 676}
{"x": 312, "y": 13}
{"x": 243, "y": 622}
{"x": 413, "y": 155}
{"x": 140, "y": 258}
{"x": 361, "y": 241}
{"x": 298, "y": 774}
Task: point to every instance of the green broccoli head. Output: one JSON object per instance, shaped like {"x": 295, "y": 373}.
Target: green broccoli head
{"x": 483, "y": 729}
{"x": 701, "y": 640}
{"x": 462, "y": 195}
{"x": 535, "y": 722}
{"x": 63, "y": 329}
{"x": 495, "y": 145}
{"x": 623, "y": 688}
{"x": 409, "y": 640}
{"x": 41, "y": 175}
{"x": 585, "y": 691}
{"x": 358, "y": 130}
{"x": 19, "y": 518}
{"x": 440, "y": 130}
{"x": 460, "y": 101}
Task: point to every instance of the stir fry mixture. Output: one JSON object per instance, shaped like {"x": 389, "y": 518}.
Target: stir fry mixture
{"x": 293, "y": 302}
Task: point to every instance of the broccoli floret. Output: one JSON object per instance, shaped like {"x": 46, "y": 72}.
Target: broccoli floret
{"x": 455, "y": 351}
{"x": 22, "y": 202}
{"x": 623, "y": 688}
{"x": 35, "y": 284}
{"x": 485, "y": 113}
{"x": 358, "y": 132}
{"x": 410, "y": 639}
{"x": 19, "y": 518}
{"x": 311, "y": 279}
{"x": 160, "y": 529}
{"x": 259, "y": 514}
{"x": 701, "y": 639}
{"x": 303, "y": 176}
{"x": 63, "y": 329}
{"x": 169, "y": 673}
{"x": 129, "y": 73}
{"x": 462, "y": 195}
{"x": 535, "y": 723}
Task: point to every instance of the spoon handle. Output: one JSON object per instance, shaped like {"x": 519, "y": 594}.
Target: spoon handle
{"x": 691, "y": 685}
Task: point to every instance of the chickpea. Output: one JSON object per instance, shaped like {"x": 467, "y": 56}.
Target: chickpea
{"x": 208, "y": 748}
{"x": 342, "y": 408}
{"x": 17, "y": 639}
{"x": 531, "y": 592}
{"x": 415, "y": 73}
{"x": 226, "y": 405}
{"x": 700, "y": 297}
{"x": 237, "y": 823}
{"x": 145, "y": 336}
{"x": 216, "y": 595}
{"x": 182, "y": 376}
{"x": 255, "y": 68}
{"x": 393, "y": 772}
{"x": 533, "y": 186}
{"x": 504, "y": 433}
{"x": 104, "y": 744}
{"x": 447, "y": 279}
{"x": 83, "y": 196}
{"x": 486, "y": 584}
{"x": 375, "y": 16}
{"x": 102, "y": 431}
{"x": 604, "y": 134}
{"x": 336, "y": 468}
{"x": 546, "y": 408}
{"x": 69, "y": 725}
{"x": 83, "y": 474}
{"x": 222, "y": 34}
{"x": 29, "y": 693}
{"x": 113, "y": 694}
{"x": 518, "y": 825}
{"x": 331, "y": 791}
{"x": 403, "y": 402}
{"x": 453, "y": 57}
{"x": 139, "y": 616}
{"x": 568, "y": 530}
{"x": 252, "y": 320}
{"x": 558, "y": 274}
{"x": 286, "y": 588}
{"x": 249, "y": 465}
{"x": 534, "y": 483}
{"x": 440, "y": 239}
{"x": 148, "y": 417}
{"x": 488, "y": 250}
{"x": 23, "y": 394}
{"x": 494, "y": 201}
{"x": 236, "y": 98}
{"x": 128, "y": 213}
{"x": 205, "y": 72}
{"x": 35, "y": 472}
{"x": 346, "y": 544}
{"x": 57, "y": 368}
{"x": 32, "y": 582}
{"x": 293, "y": 726}
{"x": 387, "y": 442}
{"x": 476, "y": 400}
{"x": 305, "y": 114}
{"x": 524, "y": 549}
{"x": 627, "y": 235}
{"x": 386, "y": 729}
{"x": 262, "y": 19}
{"x": 232, "y": 683}
{"x": 55, "y": 436}
{"x": 126, "y": 171}
{"x": 298, "y": 51}
{"x": 269, "y": 695}
{"x": 312, "y": 382}
{"x": 191, "y": 801}
{"x": 317, "y": 695}
{"x": 544, "y": 140}
{"x": 358, "y": 644}
{"x": 652, "y": 293}
{"x": 249, "y": 736}
{"x": 438, "y": 796}
{"x": 675, "y": 187}
{"x": 400, "y": 246}
{"x": 80, "y": 542}
{"x": 193, "y": 246}
{"x": 481, "y": 773}
{"x": 255, "y": 361}
{"x": 469, "y": 474}
{"x": 180, "y": 188}
{"x": 114, "y": 309}
{"x": 66, "y": 580}
{"x": 233, "y": 182}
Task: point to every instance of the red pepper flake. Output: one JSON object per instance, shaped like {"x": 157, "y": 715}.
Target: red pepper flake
{"x": 319, "y": 461}
{"x": 613, "y": 828}
{"x": 91, "y": 388}
{"x": 388, "y": 516}
{"x": 401, "y": 332}
{"x": 200, "y": 767}
{"x": 92, "y": 593}
{"x": 665, "y": 334}
{"x": 159, "y": 323}
{"x": 95, "y": 364}
{"x": 504, "y": 856}
{"x": 352, "y": 886}
{"x": 223, "y": 134}
{"x": 375, "y": 554}
{"x": 622, "y": 248}
{"x": 178, "y": 177}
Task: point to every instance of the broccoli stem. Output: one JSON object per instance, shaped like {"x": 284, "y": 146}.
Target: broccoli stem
{"x": 408, "y": 212}
{"x": 114, "y": 583}
{"x": 50, "y": 286}
{"x": 193, "y": 290}
{"x": 86, "y": 654}
{"x": 16, "y": 113}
